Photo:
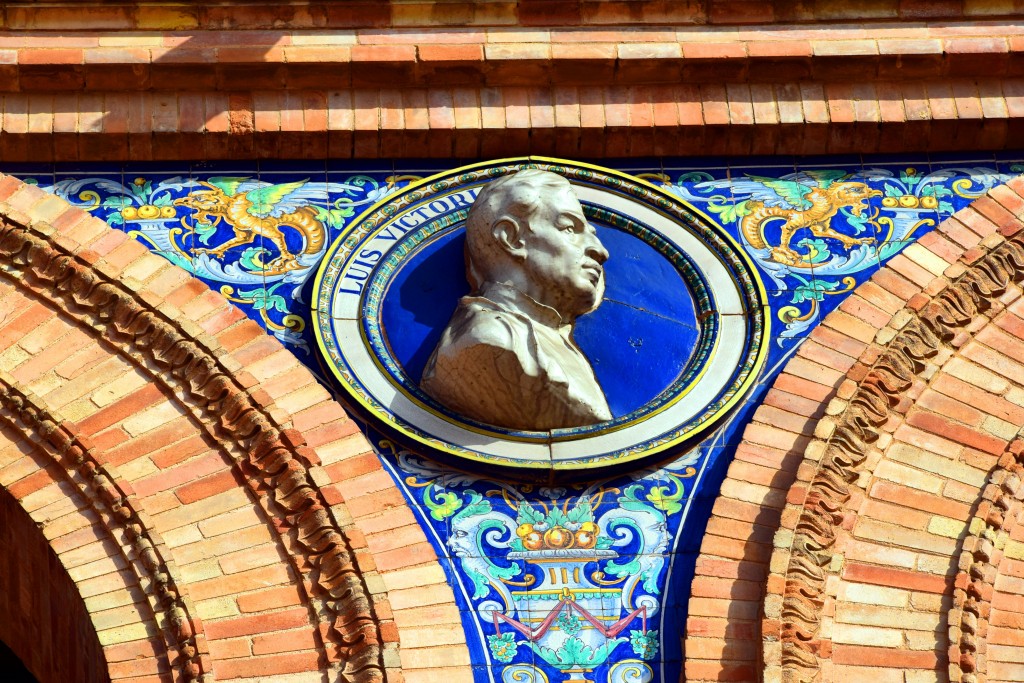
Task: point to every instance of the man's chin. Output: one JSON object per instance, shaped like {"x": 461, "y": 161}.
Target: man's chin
{"x": 589, "y": 302}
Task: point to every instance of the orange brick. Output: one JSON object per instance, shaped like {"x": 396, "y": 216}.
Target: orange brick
{"x": 152, "y": 441}
{"x": 408, "y": 556}
{"x": 272, "y": 598}
{"x": 805, "y": 388}
{"x": 145, "y": 397}
{"x": 274, "y": 665}
{"x": 179, "y": 452}
{"x": 285, "y": 641}
{"x": 451, "y": 53}
{"x": 953, "y": 408}
{"x": 249, "y": 557}
{"x": 883, "y": 657}
{"x": 51, "y": 56}
{"x": 208, "y": 486}
{"x": 33, "y": 482}
{"x": 956, "y": 432}
{"x": 708, "y": 587}
{"x": 257, "y": 623}
{"x": 230, "y": 649}
{"x": 241, "y": 582}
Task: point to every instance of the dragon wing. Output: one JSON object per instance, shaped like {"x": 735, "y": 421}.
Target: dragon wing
{"x": 231, "y": 185}
{"x": 783, "y": 192}
{"x": 786, "y": 189}
{"x": 820, "y": 177}
{"x": 277, "y": 200}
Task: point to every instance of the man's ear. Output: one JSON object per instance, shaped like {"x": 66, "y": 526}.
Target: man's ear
{"x": 508, "y": 235}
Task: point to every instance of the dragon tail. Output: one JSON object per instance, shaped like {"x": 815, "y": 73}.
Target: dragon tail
{"x": 312, "y": 229}
{"x": 753, "y": 223}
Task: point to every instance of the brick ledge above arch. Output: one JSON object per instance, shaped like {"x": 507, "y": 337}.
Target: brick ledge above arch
{"x": 567, "y": 89}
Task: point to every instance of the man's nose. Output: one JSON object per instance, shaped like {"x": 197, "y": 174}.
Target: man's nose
{"x": 594, "y": 249}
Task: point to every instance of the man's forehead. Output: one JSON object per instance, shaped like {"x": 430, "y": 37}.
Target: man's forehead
{"x": 564, "y": 200}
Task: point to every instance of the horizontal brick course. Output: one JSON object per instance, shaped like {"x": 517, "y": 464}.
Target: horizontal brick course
{"x": 121, "y": 94}
{"x": 370, "y": 18}
{"x": 382, "y": 135}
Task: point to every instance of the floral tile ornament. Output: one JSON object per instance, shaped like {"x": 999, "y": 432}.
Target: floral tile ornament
{"x": 557, "y": 578}
{"x": 586, "y": 580}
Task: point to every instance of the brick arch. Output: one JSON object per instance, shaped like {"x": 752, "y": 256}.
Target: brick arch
{"x": 45, "y": 620}
{"x": 837, "y": 547}
{"x": 258, "y": 525}
{"x": 1001, "y": 617}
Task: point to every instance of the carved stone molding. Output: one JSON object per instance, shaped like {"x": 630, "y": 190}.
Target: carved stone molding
{"x": 276, "y": 460}
{"x": 980, "y": 554}
{"x": 856, "y": 430}
{"x": 108, "y": 493}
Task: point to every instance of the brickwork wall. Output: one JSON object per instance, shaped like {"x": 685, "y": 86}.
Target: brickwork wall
{"x": 867, "y": 529}
{"x": 45, "y": 621}
{"x": 428, "y": 13}
{"x": 1004, "y": 650}
{"x": 197, "y": 546}
{"x": 875, "y": 495}
{"x": 570, "y": 79}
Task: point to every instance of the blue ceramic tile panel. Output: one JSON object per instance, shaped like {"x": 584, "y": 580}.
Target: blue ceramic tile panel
{"x": 33, "y": 174}
{"x": 1010, "y": 163}
{"x": 624, "y": 547}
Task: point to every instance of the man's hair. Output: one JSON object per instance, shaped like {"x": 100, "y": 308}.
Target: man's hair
{"x": 516, "y": 197}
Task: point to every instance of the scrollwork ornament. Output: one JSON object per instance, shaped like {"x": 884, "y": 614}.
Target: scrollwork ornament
{"x": 980, "y": 555}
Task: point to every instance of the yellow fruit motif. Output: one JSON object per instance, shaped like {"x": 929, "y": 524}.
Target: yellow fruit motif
{"x": 908, "y": 201}
{"x": 929, "y": 202}
{"x": 129, "y": 212}
{"x": 167, "y": 212}
{"x": 533, "y": 541}
{"x": 556, "y": 537}
{"x": 889, "y": 202}
{"x": 148, "y": 211}
{"x": 585, "y": 539}
{"x": 586, "y": 535}
{"x": 524, "y": 530}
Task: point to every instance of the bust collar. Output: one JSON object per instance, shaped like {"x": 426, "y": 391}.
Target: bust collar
{"x": 509, "y": 297}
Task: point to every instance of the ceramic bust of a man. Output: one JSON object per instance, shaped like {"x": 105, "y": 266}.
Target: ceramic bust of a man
{"x": 534, "y": 264}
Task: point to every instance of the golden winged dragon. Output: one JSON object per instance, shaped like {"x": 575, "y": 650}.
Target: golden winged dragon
{"x": 806, "y": 200}
{"x": 257, "y": 209}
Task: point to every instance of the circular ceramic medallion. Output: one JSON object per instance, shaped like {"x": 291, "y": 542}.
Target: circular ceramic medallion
{"x": 677, "y": 341}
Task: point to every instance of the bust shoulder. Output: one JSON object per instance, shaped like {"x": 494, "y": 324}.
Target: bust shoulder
{"x": 479, "y": 322}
